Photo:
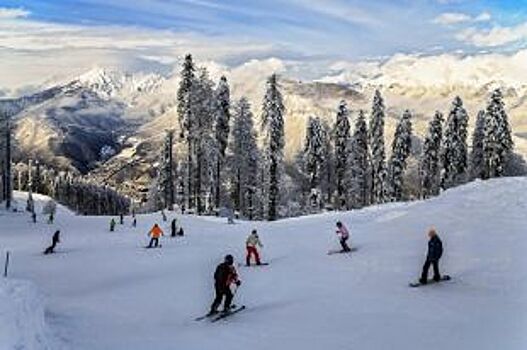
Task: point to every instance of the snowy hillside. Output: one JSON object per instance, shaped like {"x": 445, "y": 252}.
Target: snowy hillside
{"x": 104, "y": 291}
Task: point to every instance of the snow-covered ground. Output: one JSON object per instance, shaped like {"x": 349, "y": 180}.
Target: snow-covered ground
{"x": 104, "y": 291}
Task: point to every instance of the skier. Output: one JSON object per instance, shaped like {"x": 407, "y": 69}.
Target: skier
{"x": 343, "y": 234}
{"x": 121, "y": 219}
{"x": 134, "y": 222}
{"x": 54, "y": 241}
{"x": 435, "y": 251}
{"x": 112, "y": 225}
{"x": 173, "y": 227}
{"x": 224, "y": 276}
{"x": 51, "y": 218}
{"x": 252, "y": 242}
{"x": 164, "y": 215}
{"x": 155, "y": 233}
{"x": 34, "y": 217}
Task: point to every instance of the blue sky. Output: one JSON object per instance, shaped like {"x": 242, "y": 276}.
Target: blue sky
{"x": 336, "y": 28}
{"x": 51, "y": 39}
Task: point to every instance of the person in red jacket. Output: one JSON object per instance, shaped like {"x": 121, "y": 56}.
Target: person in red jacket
{"x": 224, "y": 276}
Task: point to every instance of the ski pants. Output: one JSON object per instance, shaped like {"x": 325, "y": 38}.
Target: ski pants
{"x": 154, "y": 241}
{"x": 222, "y": 291}
{"x": 426, "y": 267}
{"x": 252, "y": 251}
{"x": 344, "y": 245}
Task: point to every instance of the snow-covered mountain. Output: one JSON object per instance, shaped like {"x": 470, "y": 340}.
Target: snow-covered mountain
{"x": 130, "y": 111}
{"x": 104, "y": 291}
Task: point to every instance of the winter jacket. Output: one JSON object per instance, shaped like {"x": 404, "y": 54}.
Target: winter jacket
{"x": 435, "y": 249}
{"x": 156, "y": 232}
{"x": 225, "y": 275}
{"x": 253, "y": 240}
{"x": 343, "y": 232}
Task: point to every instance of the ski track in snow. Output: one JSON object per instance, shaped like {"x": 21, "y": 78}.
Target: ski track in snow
{"x": 105, "y": 291}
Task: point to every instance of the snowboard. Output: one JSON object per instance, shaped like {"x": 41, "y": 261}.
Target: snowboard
{"x": 254, "y": 265}
{"x": 159, "y": 246}
{"x": 430, "y": 281}
{"x": 224, "y": 315}
{"x": 340, "y": 251}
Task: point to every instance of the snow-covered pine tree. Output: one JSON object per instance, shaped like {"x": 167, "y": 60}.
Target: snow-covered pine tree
{"x": 273, "y": 111}
{"x": 454, "y": 157}
{"x": 498, "y": 144}
{"x": 243, "y": 160}
{"x": 342, "y": 137}
{"x": 429, "y": 166}
{"x": 401, "y": 147}
{"x": 187, "y": 123}
{"x": 358, "y": 191}
{"x": 327, "y": 174}
{"x": 477, "y": 155}
{"x": 5, "y": 158}
{"x": 166, "y": 172}
{"x": 377, "y": 152}
{"x": 312, "y": 161}
{"x": 206, "y": 150}
{"x": 223, "y": 115}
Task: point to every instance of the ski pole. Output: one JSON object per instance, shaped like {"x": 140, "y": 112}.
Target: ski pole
{"x": 6, "y": 265}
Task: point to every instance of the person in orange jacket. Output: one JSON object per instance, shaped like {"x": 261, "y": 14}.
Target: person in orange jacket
{"x": 155, "y": 233}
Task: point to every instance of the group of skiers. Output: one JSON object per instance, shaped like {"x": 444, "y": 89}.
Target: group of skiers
{"x": 226, "y": 275}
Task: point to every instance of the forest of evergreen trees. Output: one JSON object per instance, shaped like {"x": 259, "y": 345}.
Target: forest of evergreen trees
{"x": 230, "y": 162}
{"x": 234, "y": 159}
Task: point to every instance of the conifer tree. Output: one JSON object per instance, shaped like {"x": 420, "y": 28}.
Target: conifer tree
{"x": 429, "y": 166}
{"x": 401, "y": 148}
{"x": 359, "y": 168}
{"x": 222, "y": 127}
{"x": 454, "y": 156}
{"x": 273, "y": 111}
{"x": 477, "y": 155}
{"x": 377, "y": 152}
{"x": 342, "y": 149}
{"x": 498, "y": 142}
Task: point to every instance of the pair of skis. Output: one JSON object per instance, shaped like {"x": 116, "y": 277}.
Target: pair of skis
{"x": 222, "y": 315}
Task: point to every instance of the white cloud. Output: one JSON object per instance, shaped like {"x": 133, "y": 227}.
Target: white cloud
{"x": 10, "y": 13}
{"x": 483, "y": 17}
{"x": 493, "y": 37}
{"x": 449, "y": 18}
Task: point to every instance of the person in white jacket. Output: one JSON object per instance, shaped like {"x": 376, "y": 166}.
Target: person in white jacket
{"x": 343, "y": 234}
{"x": 252, "y": 242}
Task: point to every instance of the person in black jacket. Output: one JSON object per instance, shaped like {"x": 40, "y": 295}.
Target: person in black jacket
{"x": 54, "y": 241}
{"x": 224, "y": 276}
{"x": 435, "y": 251}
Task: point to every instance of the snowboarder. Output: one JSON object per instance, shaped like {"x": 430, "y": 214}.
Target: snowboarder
{"x": 54, "y": 241}
{"x": 224, "y": 276}
{"x": 155, "y": 233}
{"x": 112, "y": 225}
{"x": 252, "y": 242}
{"x": 343, "y": 234}
{"x": 173, "y": 227}
{"x": 435, "y": 251}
